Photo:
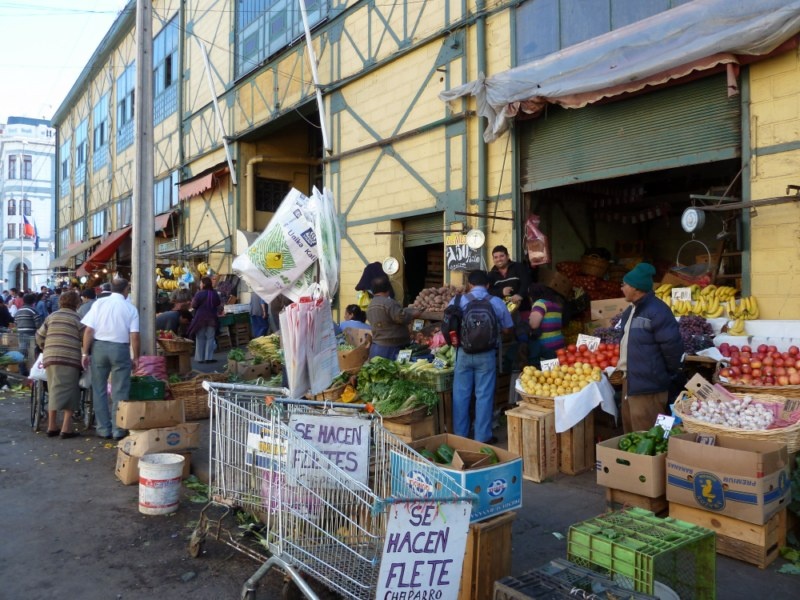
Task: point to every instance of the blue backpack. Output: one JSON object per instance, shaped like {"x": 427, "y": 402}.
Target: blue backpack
{"x": 480, "y": 330}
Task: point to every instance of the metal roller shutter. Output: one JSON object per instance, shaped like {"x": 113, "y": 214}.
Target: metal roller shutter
{"x": 688, "y": 124}
{"x": 421, "y": 231}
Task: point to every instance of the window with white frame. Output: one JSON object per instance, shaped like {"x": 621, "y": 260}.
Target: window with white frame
{"x": 77, "y": 231}
{"x": 27, "y": 167}
{"x": 81, "y": 149}
{"x": 12, "y": 167}
{"x": 25, "y": 207}
{"x": 165, "y": 193}
{"x": 126, "y": 89}
{"x": 63, "y": 239}
{"x": 98, "y": 223}
{"x": 12, "y": 207}
{"x": 124, "y": 212}
{"x": 100, "y": 133}
{"x": 11, "y": 231}
{"x": 263, "y": 27}
{"x": 165, "y": 71}
{"x": 64, "y": 156}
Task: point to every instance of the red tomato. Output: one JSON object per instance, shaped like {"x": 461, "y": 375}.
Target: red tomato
{"x": 572, "y": 348}
{"x": 583, "y": 348}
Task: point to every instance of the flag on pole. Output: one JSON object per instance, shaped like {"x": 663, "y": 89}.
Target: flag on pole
{"x": 28, "y": 230}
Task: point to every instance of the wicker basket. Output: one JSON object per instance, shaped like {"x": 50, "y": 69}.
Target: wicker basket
{"x": 594, "y": 265}
{"x": 543, "y": 401}
{"x": 194, "y": 397}
{"x": 176, "y": 344}
{"x": 785, "y": 391}
{"x": 330, "y": 395}
{"x": 784, "y": 435}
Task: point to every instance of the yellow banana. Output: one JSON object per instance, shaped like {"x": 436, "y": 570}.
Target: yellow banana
{"x": 715, "y": 314}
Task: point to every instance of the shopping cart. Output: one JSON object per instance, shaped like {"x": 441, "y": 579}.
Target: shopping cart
{"x": 322, "y": 513}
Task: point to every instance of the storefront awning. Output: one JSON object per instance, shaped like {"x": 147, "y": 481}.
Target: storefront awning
{"x": 162, "y": 221}
{"x": 71, "y": 251}
{"x": 203, "y": 182}
{"x": 696, "y": 36}
{"x": 104, "y": 252}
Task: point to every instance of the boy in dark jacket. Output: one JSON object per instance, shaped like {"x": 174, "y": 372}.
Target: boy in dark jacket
{"x": 651, "y": 351}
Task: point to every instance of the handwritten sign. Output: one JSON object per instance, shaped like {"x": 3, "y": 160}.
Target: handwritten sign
{"x": 418, "y": 324}
{"x": 590, "y": 341}
{"x": 439, "y": 363}
{"x": 683, "y": 293}
{"x": 342, "y": 440}
{"x": 667, "y": 423}
{"x": 404, "y": 356}
{"x": 423, "y": 551}
{"x": 549, "y": 365}
{"x": 459, "y": 256}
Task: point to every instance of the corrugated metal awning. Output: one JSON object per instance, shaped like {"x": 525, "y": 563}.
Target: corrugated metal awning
{"x": 695, "y": 36}
{"x": 71, "y": 251}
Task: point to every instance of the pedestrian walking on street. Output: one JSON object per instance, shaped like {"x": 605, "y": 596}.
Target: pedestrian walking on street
{"x": 477, "y": 371}
{"x": 60, "y": 337}
{"x": 259, "y": 315}
{"x": 650, "y": 351}
{"x": 88, "y": 297}
{"x": 204, "y": 324}
{"x": 112, "y": 336}
{"x": 27, "y": 321}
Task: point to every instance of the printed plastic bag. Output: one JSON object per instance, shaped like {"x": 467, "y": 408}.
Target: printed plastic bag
{"x": 536, "y": 242}
{"x": 38, "y": 371}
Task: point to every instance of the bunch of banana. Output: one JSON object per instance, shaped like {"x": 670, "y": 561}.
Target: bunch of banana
{"x": 163, "y": 283}
{"x": 664, "y": 293}
{"x": 746, "y": 308}
{"x": 737, "y": 328}
{"x": 721, "y": 292}
{"x": 681, "y": 308}
{"x": 203, "y": 268}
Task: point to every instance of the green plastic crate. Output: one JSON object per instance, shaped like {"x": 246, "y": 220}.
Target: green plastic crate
{"x": 146, "y": 388}
{"x": 226, "y": 320}
{"x": 241, "y": 318}
{"x": 637, "y": 548}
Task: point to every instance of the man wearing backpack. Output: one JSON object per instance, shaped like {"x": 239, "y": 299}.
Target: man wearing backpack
{"x": 483, "y": 319}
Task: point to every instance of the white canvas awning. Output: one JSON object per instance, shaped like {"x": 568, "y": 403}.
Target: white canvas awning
{"x": 696, "y": 36}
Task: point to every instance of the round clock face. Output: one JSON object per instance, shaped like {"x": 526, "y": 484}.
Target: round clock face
{"x": 391, "y": 265}
{"x": 475, "y": 238}
{"x": 692, "y": 219}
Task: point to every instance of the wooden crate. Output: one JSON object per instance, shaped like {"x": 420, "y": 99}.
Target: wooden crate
{"x": 756, "y": 544}
{"x": 576, "y": 448}
{"x": 223, "y": 340}
{"x": 532, "y": 435}
{"x": 487, "y": 557}
{"x": 619, "y": 499}
{"x": 240, "y": 334}
{"x": 411, "y": 432}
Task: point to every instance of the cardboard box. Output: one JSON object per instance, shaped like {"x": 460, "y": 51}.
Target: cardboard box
{"x": 744, "y": 479}
{"x": 705, "y": 390}
{"x": 149, "y": 414}
{"x": 498, "y": 486}
{"x": 254, "y": 371}
{"x": 127, "y": 468}
{"x": 361, "y": 340}
{"x": 556, "y": 281}
{"x": 185, "y": 436}
{"x": 636, "y": 473}
{"x": 607, "y": 309}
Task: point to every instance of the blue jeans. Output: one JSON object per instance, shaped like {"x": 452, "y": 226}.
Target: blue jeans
{"x": 205, "y": 342}
{"x": 389, "y": 352}
{"x": 258, "y": 325}
{"x": 478, "y": 373}
{"x": 110, "y": 358}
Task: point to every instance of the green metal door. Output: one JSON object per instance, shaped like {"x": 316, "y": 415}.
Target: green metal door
{"x": 687, "y": 124}
{"x": 422, "y": 231}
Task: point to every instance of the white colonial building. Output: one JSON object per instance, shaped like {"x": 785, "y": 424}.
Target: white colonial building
{"x": 27, "y": 176}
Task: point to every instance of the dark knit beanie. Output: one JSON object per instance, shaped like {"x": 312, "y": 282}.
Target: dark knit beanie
{"x": 641, "y": 277}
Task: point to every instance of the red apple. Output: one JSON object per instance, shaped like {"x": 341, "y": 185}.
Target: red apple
{"x": 768, "y": 370}
{"x": 736, "y": 371}
{"x": 762, "y": 348}
{"x": 775, "y": 354}
{"x": 790, "y": 370}
{"x": 747, "y": 369}
{"x": 794, "y": 379}
{"x": 725, "y": 373}
{"x": 756, "y": 364}
{"x": 745, "y": 356}
{"x": 797, "y": 364}
{"x": 773, "y": 348}
{"x": 746, "y": 348}
{"x": 768, "y": 380}
{"x": 725, "y": 348}
{"x": 779, "y": 362}
{"x": 747, "y": 378}
{"x": 735, "y": 348}
{"x": 781, "y": 371}
{"x": 756, "y": 373}
{"x": 768, "y": 361}
{"x": 735, "y": 362}
{"x": 783, "y": 380}
{"x": 794, "y": 350}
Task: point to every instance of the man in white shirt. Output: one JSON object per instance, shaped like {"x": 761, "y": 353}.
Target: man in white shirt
{"x": 112, "y": 335}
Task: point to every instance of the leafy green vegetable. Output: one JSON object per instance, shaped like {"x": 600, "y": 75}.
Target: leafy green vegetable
{"x": 237, "y": 354}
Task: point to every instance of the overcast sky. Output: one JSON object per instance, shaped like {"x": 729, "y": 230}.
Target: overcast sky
{"x": 44, "y": 45}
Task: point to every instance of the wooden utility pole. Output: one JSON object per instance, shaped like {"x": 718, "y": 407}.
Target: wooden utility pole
{"x": 143, "y": 218}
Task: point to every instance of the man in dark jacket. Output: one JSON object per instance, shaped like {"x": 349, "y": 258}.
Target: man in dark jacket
{"x": 651, "y": 351}
{"x": 508, "y": 279}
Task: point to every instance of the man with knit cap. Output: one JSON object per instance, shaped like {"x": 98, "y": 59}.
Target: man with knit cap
{"x": 651, "y": 351}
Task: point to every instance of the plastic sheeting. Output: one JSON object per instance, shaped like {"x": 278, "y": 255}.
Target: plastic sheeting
{"x": 695, "y": 36}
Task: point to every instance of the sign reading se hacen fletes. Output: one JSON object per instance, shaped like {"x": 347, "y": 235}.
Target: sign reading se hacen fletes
{"x": 423, "y": 551}
{"x": 342, "y": 440}
{"x": 459, "y": 256}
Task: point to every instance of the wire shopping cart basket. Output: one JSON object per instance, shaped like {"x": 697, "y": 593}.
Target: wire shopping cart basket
{"x": 319, "y": 477}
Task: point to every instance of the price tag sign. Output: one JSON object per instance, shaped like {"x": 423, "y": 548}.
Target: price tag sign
{"x": 404, "y": 356}
{"x": 439, "y": 363}
{"x": 418, "y": 324}
{"x": 549, "y": 365}
{"x": 591, "y": 341}
{"x": 683, "y": 293}
{"x": 667, "y": 423}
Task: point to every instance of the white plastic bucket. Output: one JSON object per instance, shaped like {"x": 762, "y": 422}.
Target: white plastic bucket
{"x": 160, "y": 483}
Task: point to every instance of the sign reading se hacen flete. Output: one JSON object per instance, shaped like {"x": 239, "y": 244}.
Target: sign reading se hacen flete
{"x": 423, "y": 551}
{"x": 458, "y": 255}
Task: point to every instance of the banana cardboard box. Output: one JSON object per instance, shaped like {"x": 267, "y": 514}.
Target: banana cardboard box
{"x": 743, "y": 479}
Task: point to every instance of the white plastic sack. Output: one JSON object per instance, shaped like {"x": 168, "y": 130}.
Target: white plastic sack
{"x": 38, "y": 371}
